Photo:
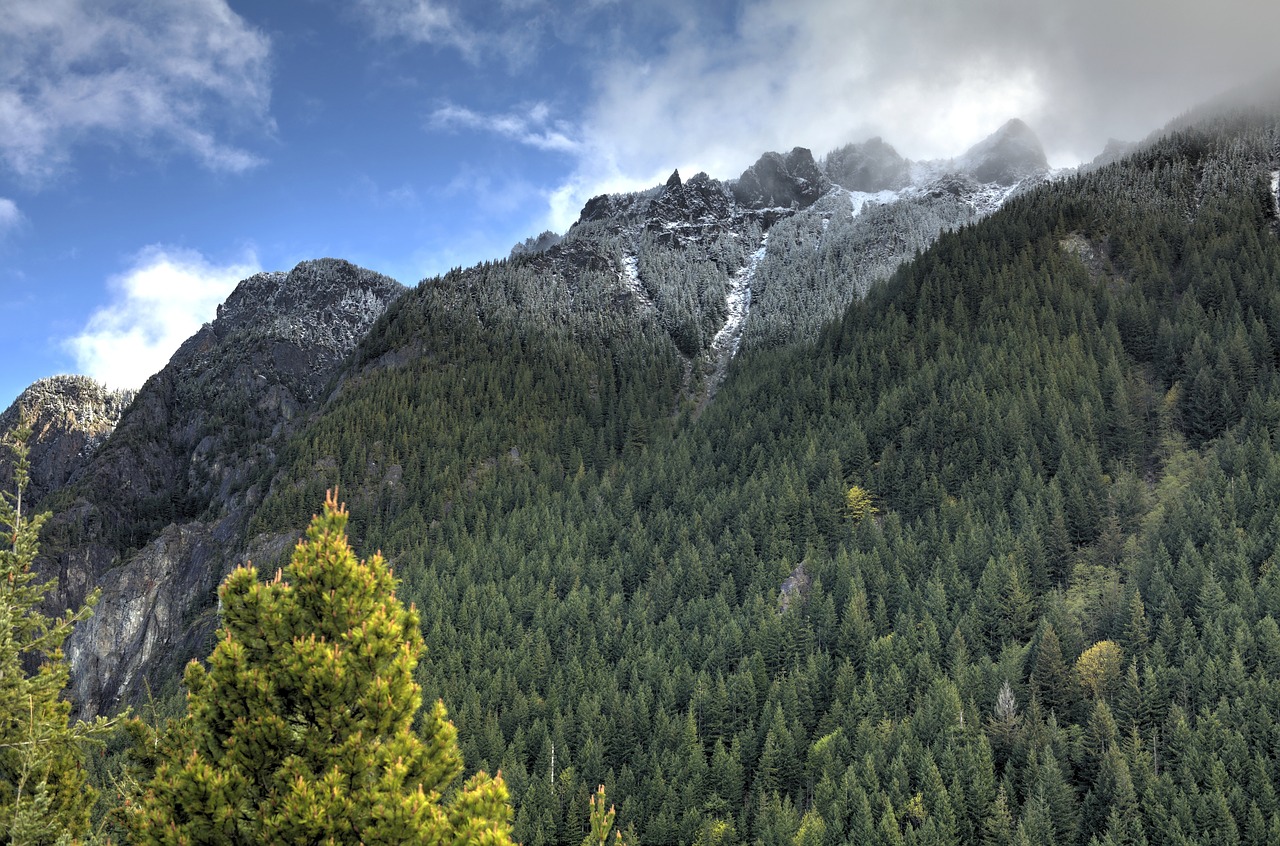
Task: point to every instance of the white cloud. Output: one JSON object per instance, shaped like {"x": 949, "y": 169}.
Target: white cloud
{"x": 485, "y": 33}
{"x": 160, "y": 301}
{"x": 533, "y": 128}
{"x": 929, "y": 76}
{"x": 10, "y": 217}
{"x": 419, "y": 21}
{"x": 179, "y": 72}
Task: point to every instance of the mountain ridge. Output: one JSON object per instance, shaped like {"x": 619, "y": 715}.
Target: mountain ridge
{"x": 171, "y": 489}
{"x": 280, "y": 337}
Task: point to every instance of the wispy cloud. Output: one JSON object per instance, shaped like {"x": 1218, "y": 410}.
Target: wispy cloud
{"x": 506, "y": 33}
{"x": 161, "y": 300}
{"x": 10, "y": 217}
{"x": 533, "y": 127}
{"x": 366, "y": 189}
{"x": 178, "y": 73}
{"x": 419, "y": 21}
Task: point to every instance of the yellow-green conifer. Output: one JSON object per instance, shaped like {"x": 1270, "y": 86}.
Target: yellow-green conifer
{"x": 301, "y": 728}
{"x": 44, "y": 798}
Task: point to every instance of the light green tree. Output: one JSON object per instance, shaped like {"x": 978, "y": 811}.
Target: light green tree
{"x": 301, "y": 729}
{"x": 858, "y": 501}
{"x": 1099, "y": 667}
{"x": 601, "y": 822}
{"x": 44, "y": 797}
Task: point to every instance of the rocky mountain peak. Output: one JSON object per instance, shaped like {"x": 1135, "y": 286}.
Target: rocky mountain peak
{"x": 870, "y": 166}
{"x": 176, "y": 483}
{"x": 70, "y": 417}
{"x": 777, "y": 181}
{"x": 330, "y": 302}
{"x": 300, "y": 324}
{"x": 1009, "y": 155}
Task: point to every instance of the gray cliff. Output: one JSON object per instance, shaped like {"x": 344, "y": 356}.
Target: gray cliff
{"x": 158, "y": 515}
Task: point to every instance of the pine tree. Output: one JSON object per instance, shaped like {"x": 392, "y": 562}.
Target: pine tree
{"x": 301, "y": 729}
{"x": 601, "y": 822}
{"x": 44, "y": 797}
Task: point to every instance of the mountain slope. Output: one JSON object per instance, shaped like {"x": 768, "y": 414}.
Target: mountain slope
{"x": 1058, "y": 627}
{"x": 1061, "y": 621}
{"x": 154, "y": 518}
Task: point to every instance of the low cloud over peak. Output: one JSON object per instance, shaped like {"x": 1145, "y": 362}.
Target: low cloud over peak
{"x": 162, "y": 299}
{"x": 723, "y": 82}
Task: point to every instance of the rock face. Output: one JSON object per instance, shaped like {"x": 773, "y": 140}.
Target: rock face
{"x": 70, "y": 418}
{"x": 701, "y": 205}
{"x": 777, "y": 181}
{"x": 1010, "y": 155}
{"x": 165, "y": 501}
{"x": 871, "y": 167}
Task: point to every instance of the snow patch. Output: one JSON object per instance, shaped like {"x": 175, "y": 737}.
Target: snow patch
{"x": 630, "y": 278}
{"x": 991, "y": 197}
{"x": 858, "y": 199}
{"x": 738, "y": 301}
{"x": 1275, "y": 190}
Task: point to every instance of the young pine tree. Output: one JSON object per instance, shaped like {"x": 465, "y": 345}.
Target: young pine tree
{"x": 301, "y": 729}
{"x": 44, "y": 798}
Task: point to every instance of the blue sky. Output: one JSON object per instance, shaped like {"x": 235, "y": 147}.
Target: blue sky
{"x": 153, "y": 154}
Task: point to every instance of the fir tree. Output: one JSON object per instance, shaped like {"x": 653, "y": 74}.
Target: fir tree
{"x": 44, "y": 797}
{"x": 300, "y": 730}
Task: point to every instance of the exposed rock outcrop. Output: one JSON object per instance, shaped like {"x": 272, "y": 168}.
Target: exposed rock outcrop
{"x": 701, "y": 203}
{"x": 777, "y": 181}
{"x": 165, "y": 501}
{"x": 70, "y": 418}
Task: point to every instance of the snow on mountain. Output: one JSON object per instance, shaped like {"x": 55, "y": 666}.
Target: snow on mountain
{"x": 682, "y": 249}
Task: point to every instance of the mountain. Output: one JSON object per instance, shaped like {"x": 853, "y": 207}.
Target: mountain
{"x": 940, "y": 513}
{"x": 687, "y": 274}
{"x": 154, "y": 516}
{"x": 869, "y": 167}
{"x": 1009, "y": 156}
{"x": 70, "y": 417}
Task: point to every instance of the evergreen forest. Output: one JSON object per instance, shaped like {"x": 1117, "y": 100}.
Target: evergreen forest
{"x": 992, "y": 558}
{"x": 1051, "y": 621}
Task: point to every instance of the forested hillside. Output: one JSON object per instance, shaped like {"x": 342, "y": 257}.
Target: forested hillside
{"x": 1058, "y": 627}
